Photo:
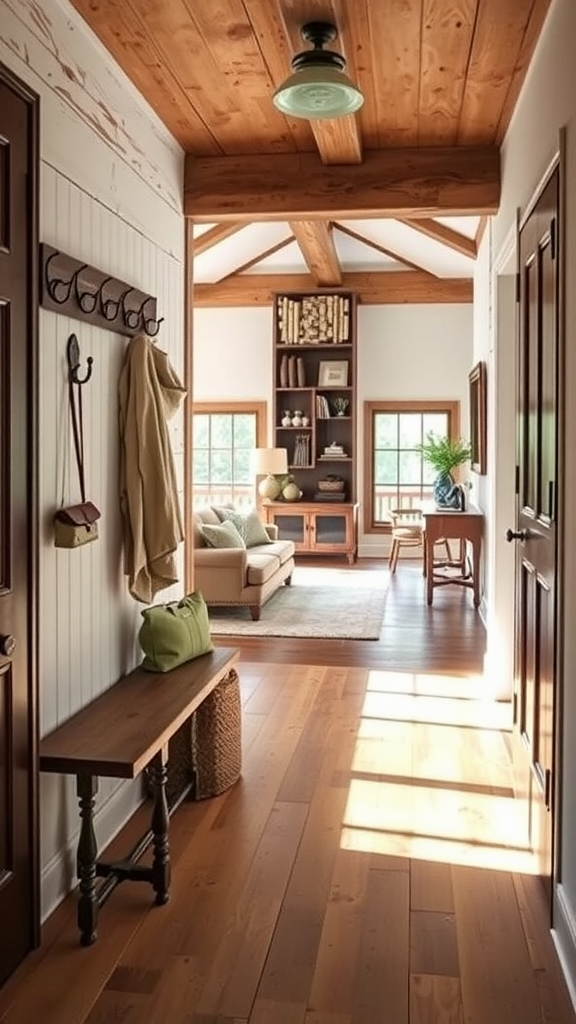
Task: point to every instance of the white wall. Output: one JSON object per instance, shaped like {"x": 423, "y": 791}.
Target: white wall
{"x": 548, "y": 104}
{"x": 233, "y": 355}
{"x": 404, "y": 351}
{"x": 411, "y": 352}
{"x": 110, "y": 194}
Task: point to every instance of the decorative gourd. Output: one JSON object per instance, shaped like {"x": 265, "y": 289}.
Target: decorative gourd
{"x": 291, "y": 492}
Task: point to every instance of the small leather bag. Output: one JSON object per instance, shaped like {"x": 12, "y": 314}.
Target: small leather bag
{"x": 174, "y": 633}
{"x": 75, "y": 525}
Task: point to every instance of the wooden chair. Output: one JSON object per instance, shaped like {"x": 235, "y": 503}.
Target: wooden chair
{"x": 408, "y": 532}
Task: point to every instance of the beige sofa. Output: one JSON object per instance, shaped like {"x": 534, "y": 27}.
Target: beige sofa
{"x": 240, "y": 576}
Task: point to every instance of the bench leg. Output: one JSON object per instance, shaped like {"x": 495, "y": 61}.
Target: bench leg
{"x": 87, "y": 788}
{"x": 160, "y": 823}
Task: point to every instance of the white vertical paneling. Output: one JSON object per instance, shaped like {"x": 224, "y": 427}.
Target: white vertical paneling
{"x": 88, "y": 621}
{"x": 113, "y": 201}
{"x": 89, "y": 104}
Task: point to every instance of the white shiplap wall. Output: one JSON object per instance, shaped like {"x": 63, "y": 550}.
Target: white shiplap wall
{"x": 110, "y": 195}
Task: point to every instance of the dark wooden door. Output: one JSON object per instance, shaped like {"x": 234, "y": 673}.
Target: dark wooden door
{"x": 536, "y": 528}
{"x": 18, "y": 755}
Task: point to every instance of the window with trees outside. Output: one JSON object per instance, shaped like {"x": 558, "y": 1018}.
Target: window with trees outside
{"x": 395, "y": 474}
{"x": 223, "y": 438}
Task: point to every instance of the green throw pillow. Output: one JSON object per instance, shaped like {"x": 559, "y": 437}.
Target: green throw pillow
{"x": 172, "y": 634}
{"x": 223, "y": 536}
{"x": 249, "y": 526}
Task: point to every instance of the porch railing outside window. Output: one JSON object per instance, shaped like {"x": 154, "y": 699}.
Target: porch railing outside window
{"x": 396, "y": 474}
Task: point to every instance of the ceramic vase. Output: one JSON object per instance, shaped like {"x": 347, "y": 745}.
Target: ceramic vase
{"x": 447, "y": 494}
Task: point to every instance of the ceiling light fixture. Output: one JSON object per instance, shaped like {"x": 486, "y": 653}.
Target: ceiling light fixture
{"x": 318, "y": 86}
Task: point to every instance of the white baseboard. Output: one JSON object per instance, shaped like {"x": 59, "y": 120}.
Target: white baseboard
{"x": 58, "y": 877}
{"x": 564, "y": 936}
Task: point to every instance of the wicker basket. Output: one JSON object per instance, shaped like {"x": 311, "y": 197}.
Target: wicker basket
{"x": 208, "y": 748}
{"x": 217, "y": 739}
{"x": 330, "y": 485}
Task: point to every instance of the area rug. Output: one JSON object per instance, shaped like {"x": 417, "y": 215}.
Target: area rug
{"x": 343, "y": 604}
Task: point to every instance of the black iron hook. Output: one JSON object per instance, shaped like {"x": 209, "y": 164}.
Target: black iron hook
{"x": 132, "y": 317}
{"x": 151, "y": 326}
{"x": 56, "y": 283}
{"x": 73, "y": 355}
{"x": 111, "y": 307}
{"x": 88, "y": 300}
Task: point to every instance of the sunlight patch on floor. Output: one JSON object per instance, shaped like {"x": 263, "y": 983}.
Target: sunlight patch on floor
{"x": 468, "y": 687}
{"x": 413, "y": 707}
{"x": 450, "y": 825}
{"x": 437, "y": 849}
{"x": 431, "y": 777}
{"x": 440, "y": 754}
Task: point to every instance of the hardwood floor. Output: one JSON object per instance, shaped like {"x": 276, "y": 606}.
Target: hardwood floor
{"x": 369, "y": 868}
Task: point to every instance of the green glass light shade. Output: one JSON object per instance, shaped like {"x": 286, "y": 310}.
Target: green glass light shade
{"x": 318, "y": 92}
{"x": 318, "y": 86}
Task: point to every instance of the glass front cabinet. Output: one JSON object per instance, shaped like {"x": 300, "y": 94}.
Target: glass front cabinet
{"x": 315, "y": 529}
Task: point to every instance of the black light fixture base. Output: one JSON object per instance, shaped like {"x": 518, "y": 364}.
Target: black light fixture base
{"x": 318, "y": 33}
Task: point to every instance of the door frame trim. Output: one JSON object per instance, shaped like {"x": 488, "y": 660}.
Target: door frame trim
{"x": 32, "y": 100}
{"x": 560, "y": 504}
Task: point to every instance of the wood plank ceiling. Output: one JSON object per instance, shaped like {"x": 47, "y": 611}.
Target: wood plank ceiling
{"x": 440, "y": 80}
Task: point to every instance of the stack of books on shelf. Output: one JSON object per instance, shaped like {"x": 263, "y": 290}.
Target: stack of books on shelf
{"x": 334, "y": 451}
{"x": 330, "y": 496}
{"x": 301, "y": 455}
{"x": 322, "y": 408}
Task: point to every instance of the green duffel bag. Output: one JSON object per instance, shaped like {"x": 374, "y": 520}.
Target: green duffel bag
{"x": 174, "y": 633}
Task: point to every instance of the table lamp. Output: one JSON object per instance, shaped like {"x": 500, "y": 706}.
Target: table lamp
{"x": 270, "y": 463}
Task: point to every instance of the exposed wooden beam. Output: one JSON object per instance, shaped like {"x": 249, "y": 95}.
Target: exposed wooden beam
{"x": 382, "y": 288}
{"x": 482, "y": 225}
{"x": 442, "y": 233}
{"x": 395, "y": 182}
{"x": 317, "y": 247}
{"x": 382, "y": 249}
{"x": 215, "y": 235}
{"x": 338, "y": 140}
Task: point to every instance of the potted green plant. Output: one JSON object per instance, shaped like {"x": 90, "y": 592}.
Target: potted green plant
{"x": 444, "y": 455}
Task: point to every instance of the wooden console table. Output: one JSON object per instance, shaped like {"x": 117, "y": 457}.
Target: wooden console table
{"x": 462, "y": 526}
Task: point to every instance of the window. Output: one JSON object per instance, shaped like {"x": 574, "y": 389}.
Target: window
{"x": 224, "y": 437}
{"x": 395, "y": 474}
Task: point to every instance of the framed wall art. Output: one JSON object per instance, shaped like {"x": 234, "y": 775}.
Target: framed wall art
{"x": 333, "y": 374}
{"x": 477, "y": 386}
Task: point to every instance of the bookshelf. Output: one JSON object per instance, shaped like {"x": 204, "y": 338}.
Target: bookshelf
{"x": 315, "y": 417}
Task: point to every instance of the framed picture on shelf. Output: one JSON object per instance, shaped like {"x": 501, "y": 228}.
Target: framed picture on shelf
{"x": 333, "y": 374}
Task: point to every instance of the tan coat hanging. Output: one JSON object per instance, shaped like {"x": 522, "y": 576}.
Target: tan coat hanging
{"x": 150, "y": 393}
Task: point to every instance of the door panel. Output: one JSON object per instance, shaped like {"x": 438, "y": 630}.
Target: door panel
{"x": 536, "y": 562}
{"x": 18, "y": 767}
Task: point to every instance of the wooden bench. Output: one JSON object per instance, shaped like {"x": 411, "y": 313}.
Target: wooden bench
{"x": 121, "y": 732}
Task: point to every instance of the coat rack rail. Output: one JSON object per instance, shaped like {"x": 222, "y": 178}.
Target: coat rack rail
{"x": 76, "y": 289}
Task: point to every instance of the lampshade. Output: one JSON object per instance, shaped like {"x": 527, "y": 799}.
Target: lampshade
{"x": 318, "y": 86}
{"x": 269, "y": 463}
{"x": 270, "y": 460}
